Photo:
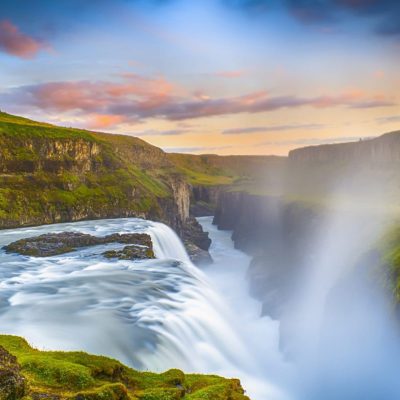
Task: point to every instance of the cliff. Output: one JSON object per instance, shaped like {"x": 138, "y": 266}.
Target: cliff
{"x": 379, "y": 151}
{"x": 279, "y": 225}
{"x": 27, "y": 373}
{"x": 51, "y": 174}
{"x": 278, "y": 234}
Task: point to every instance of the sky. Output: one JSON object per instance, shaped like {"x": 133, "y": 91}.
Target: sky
{"x": 206, "y": 76}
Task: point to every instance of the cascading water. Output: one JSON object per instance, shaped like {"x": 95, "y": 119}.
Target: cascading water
{"x": 151, "y": 314}
{"x": 167, "y": 313}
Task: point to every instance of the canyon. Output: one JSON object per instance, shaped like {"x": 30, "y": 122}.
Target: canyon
{"x": 329, "y": 211}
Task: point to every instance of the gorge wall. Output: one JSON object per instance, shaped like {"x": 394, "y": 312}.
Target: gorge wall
{"x": 382, "y": 150}
{"x": 321, "y": 184}
{"x": 278, "y": 234}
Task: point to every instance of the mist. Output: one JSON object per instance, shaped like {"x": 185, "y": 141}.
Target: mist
{"x": 339, "y": 327}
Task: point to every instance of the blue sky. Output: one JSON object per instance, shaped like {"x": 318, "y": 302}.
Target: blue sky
{"x": 221, "y": 76}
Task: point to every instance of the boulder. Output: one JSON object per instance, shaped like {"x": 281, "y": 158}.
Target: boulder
{"x": 12, "y": 383}
{"x": 130, "y": 253}
{"x": 52, "y": 244}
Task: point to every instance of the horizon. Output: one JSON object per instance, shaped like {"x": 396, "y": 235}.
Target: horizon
{"x": 224, "y": 77}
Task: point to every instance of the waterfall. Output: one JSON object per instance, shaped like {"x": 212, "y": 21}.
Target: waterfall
{"x": 151, "y": 314}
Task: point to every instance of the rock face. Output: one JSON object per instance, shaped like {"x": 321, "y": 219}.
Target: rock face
{"x": 53, "y": 244}
{"x": 197, "y": 255}
{"x": 130, "y": 253}
{"x": 383, "y": 150}
{"x": 12, "y": 383}
{"x": 50, "y": 174}
{"x": 205, "y": 199}
{"x": 278, "y": 234}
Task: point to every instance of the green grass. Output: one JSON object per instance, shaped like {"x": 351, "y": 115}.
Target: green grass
{"x": 53, "y": 174}
{"x": 389, "y": 250}
{"x": 80, "y": 375}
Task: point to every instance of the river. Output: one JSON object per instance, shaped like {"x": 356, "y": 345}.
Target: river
{"x": 152, "y": 314}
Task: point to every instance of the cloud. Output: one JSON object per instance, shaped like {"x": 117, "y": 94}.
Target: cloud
{"x": 265, "y": 129}
{"x": 135, "y": 98}
{"x": 385, "y": 14}
{"x": 154, "y": 132}
{"x": 16, "y": 43}
{"x": 314, "y": 141}
{"x": 388, "y": 119}
{"x": 104, "y": 121}
{"x": 195, "y": 149}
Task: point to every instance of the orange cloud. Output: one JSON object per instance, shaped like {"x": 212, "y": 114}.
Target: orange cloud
{"x": 137, "y": 98}
{"x": 16, "y": 43}
{"x": 103, "y": 121}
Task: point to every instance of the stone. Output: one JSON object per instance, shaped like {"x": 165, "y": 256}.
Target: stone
{"x": 12, "y": 383}
{"x": 60, "y": 243}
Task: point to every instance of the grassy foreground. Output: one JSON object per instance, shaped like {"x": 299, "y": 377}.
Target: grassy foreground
{"x": 80, "y": 376}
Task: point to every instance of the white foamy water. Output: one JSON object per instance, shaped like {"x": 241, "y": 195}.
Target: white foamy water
{"x": 151, "y": 314}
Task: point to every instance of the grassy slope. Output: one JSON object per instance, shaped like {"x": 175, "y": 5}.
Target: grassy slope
{"x": 211, "y": 169}
{"x": 43, "y": 177}
{"x": 83, "y": 376}
{"x": 29, "y": 189}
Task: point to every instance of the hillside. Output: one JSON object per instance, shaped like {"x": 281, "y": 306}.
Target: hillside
{"x": 52, "y": 174}
{"x": 27, "y": 373}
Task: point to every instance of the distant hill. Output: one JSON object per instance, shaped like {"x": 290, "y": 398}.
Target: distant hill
{"x": 53, "y": 174}
{"x": 382, "y": 150}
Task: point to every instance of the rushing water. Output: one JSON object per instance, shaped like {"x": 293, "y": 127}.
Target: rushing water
{"x": 151, "y": 314}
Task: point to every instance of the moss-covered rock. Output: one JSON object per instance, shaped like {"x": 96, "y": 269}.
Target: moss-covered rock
{"x": 12, "y": 383}
{"x": 55, "y": 375}
{"x": 51, "y": 244}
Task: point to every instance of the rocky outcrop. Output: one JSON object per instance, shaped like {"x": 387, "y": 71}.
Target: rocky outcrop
{"x": 197, "y": 255}
{"x": 12, "y": 383}
{"x": 132, "y": 252}
{"x": 52, "y": 244}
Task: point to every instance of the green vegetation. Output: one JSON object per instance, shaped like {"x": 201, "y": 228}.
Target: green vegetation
{"x": 78, "y": 375}
{"x": 211, "y": 170}
{"x": 200, "y": 171}
{"x": 389, "y": 254}
{"x": 53, "y": 174}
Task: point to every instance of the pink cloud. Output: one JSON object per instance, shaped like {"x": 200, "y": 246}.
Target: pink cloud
{"x": 135, "y": 98}
{"x": 16, "y": 43}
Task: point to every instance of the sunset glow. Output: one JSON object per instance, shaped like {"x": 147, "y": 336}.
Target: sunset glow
{"x": 214, "y": 76}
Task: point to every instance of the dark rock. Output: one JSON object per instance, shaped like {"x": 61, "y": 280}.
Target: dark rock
{"x": 198, "y": 255}
{"x": 59, "y": 243}
{"x": 44, "y": 396}
{"x": 130, "y": 253}
{"x": 279, "y": 235}
{"x": 204, "y": 200}
{"x": 12, "y": 383}
{"x": 196, "y": 242}
{"x": 193, "y": 233}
